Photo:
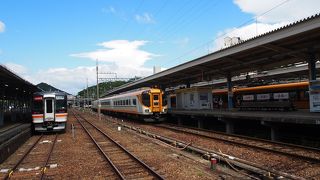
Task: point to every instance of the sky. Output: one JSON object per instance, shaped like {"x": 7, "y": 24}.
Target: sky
{"x": 58, "y": 41}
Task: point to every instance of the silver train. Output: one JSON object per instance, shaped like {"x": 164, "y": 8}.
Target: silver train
{"x": 49, "y": 111}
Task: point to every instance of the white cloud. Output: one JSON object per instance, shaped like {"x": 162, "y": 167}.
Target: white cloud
{"x": 287, "y": 11}
{"x": 20, "y": 70}
{"x": 73, "y": 80}
{"x": 109, "y": 9}
{"x": 17, "y": 68}
{"x": 145, "y": 18}
{"x": 122, "y": 53}
{"x": 270, "y": 15}
{"x": 120, "y": 56}
{"x": 245, "y": 32}
{"x": 115, "y": 12}
{"x": 2, "y": 27}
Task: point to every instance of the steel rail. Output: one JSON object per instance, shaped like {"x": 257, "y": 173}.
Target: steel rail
{"x": 154, "y": 173}
{"x": 224, "y": 157}
{"x": 8, "y": 176}
{"x": 120, "y": 175}
{"x": 43, "y": 170}
{"x": 317, "y": 150}
{"x": 291, "y": 154}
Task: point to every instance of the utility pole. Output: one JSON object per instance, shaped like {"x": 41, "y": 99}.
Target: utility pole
{"x": 87, "y": 94}
{"x": 99, "y": 105}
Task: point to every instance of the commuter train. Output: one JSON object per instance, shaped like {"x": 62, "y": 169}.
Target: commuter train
{"x": 289, "y": 96}
{"x": 147, "y": 104}
{"x": 49, "y": 111}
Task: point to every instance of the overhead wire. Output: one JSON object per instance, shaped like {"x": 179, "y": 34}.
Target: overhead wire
{"x": 182, "y": 22}
{"x": 224, "y": 34}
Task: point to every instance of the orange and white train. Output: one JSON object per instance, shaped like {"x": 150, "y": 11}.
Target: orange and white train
{"x": 49, "y": 111}
{"x": 147, "y": 104}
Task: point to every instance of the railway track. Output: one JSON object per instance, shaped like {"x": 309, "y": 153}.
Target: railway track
{"x": 124, "y": 163}
{"x": 251, "y": 169}
{"x": 35, "y": 157}
{"x": 291, "y": 150}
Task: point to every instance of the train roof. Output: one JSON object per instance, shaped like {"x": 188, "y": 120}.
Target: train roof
{"x": 131, "y": 93}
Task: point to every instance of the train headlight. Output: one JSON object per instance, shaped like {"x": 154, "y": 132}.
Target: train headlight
{"x": 146, "y": 110}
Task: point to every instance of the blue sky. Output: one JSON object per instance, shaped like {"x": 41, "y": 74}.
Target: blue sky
{"x": 57, "y": 41}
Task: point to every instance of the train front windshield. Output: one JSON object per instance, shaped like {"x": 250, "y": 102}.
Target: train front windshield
{"x": 61, "y": 104}
{"x": 146, "y": 99}
{"x": 37, "y": 106}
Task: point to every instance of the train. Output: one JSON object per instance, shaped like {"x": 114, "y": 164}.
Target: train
{"x": 49, "y": 111}
{"x": 147, "y": 104}
{"x": 283, "y": 97}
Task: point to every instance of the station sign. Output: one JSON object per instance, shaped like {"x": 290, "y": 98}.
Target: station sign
{"x": 261, "y": 97}
{"x": 37, "y": 98}
{"x": 314, "y": 95}
{"x": 248, "y": 97}
{"x": 281, "y": 95}
{"x": 59, "y": 97}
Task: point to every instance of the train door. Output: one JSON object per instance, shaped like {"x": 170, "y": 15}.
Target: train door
{"x": 156, "y": 102}
{"x": 49, "y": 109}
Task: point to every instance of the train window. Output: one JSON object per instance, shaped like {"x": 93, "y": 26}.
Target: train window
{"x": 155, "y": 97}
{"x": 164, "y": 100}
{"x": 61, "y": 106}
{"x": 49, "y": 105}
{"x": 173, "y": 101}
{"x": 134, "y": 102}
{"x": 127, "y": 102}
{"x": 203, "y": 97}
{"x": 191, "y": 97}
{"x": 146, "y": 99}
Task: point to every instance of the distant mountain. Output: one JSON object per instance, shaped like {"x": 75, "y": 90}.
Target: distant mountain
{"x": 47, "y": 87}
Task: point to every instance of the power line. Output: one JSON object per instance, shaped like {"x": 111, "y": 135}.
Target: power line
{"x": 185, "y": 22}
{"x": 210, "y": 41}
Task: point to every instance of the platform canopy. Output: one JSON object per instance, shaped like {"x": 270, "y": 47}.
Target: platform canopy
{"x": 285, "y": 47}
{"x": 13, "y": 85}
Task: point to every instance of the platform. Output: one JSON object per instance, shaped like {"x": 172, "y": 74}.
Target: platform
{"x": 296, "y": 117}
{"x": 11, "y": 137}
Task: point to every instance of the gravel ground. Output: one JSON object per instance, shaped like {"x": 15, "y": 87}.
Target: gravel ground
{"x": 165, "y": 160}
{"x": 78, "y": 158}
{"x": 268, "y": 159}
